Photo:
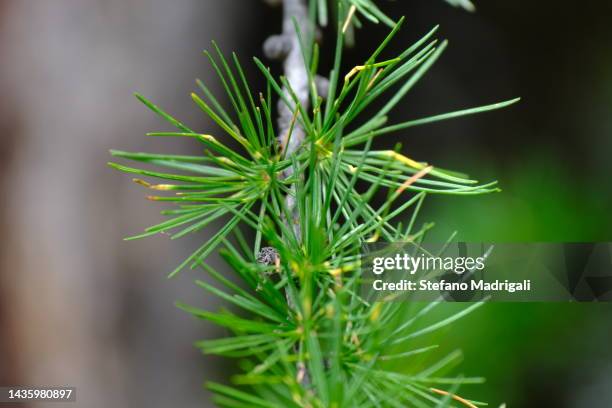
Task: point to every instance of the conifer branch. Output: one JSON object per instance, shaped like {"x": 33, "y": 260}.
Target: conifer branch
{"x": 305, "y": 186}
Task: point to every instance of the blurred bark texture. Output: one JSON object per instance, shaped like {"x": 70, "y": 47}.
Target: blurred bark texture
{"x": 80, "y": 306}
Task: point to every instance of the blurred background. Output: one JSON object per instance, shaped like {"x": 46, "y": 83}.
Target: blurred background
{"x": 79, "y": 306}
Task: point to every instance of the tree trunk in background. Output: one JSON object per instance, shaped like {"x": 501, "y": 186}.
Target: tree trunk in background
{"x": 8, "y": 124}
{"x": 86, "y": 308}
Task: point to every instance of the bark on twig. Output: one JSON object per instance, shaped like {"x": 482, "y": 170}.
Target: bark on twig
{"x": 287, "y": 46}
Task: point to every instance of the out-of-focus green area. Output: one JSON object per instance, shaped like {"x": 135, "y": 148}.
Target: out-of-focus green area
{"x": 541, "y": 200}
{"x": 551, "y": 154}
{"x": 533, "y": 354}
